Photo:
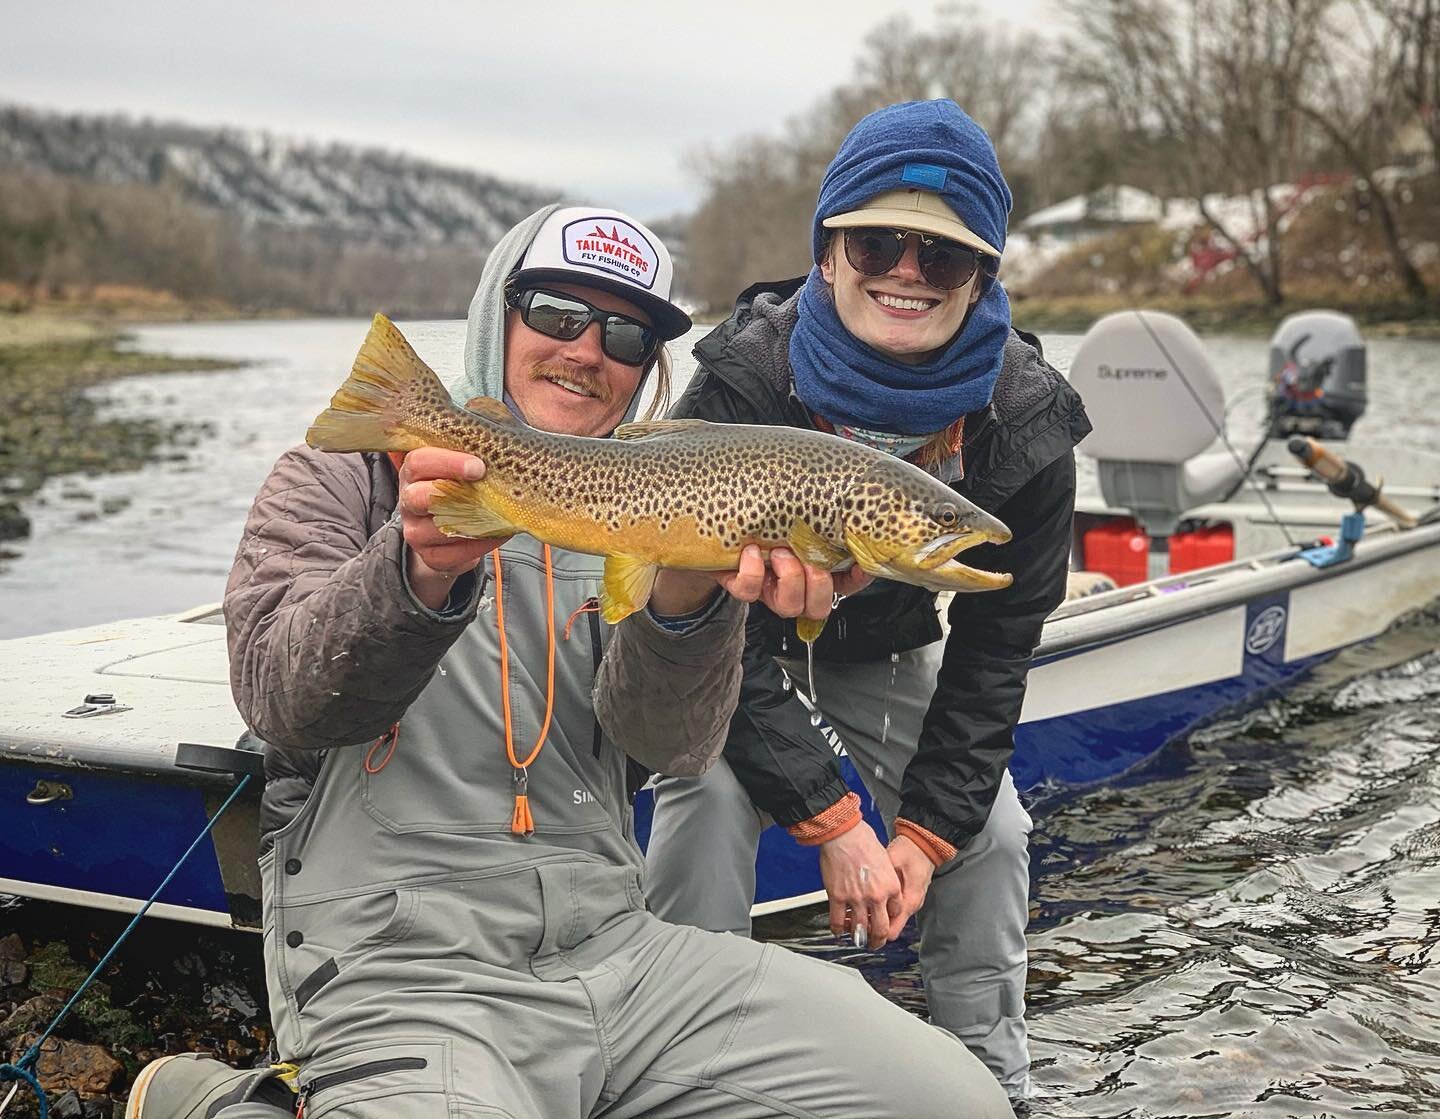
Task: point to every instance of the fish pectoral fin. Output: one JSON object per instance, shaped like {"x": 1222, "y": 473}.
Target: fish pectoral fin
{"x": 627, "y": 586}
{"x": 813, "y": 548}
{"x": 493, "y": 410}
{"x": 644, "y": 429}
{"x": 864, "y": 552}
{"x": 460, "y": 509}
{"x": 808, "y": 629}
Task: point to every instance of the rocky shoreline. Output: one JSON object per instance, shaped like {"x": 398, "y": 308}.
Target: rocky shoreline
{"x": 171, "y": 988}
{"x": 50, "y": 425}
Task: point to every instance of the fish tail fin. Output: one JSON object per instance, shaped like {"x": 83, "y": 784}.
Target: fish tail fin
{"x": 389, "y": 387}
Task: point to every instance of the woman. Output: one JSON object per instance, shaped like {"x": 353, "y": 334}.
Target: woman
{"x": 900, "y": 337}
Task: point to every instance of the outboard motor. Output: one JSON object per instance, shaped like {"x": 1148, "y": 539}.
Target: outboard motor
{"x": 1156, "y": 403}
{"x": 1317, "y": 376}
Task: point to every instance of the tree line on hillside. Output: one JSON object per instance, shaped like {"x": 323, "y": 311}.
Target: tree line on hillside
{"x": 62, "y": 237}
{"x": 1186, "y": 99}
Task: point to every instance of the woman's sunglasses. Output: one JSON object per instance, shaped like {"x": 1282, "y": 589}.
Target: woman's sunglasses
{"x": 947, "y": 264}
{"x": 557, "y": 315}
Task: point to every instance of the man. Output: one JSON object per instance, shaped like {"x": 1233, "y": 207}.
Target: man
{"x": 430, "y": 949}
{"x": 900, "y": 338}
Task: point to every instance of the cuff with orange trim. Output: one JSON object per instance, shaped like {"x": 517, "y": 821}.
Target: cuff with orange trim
{"x": 936, "y": 849}
{"x": 835, "y": 821}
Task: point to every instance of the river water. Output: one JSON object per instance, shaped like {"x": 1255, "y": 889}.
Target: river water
{"x": 1248, "y": 926}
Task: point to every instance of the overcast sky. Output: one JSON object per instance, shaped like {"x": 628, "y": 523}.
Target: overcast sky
{"x": 599, "y": 100}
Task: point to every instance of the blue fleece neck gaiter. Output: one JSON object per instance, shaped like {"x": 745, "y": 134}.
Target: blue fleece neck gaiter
{"x": 841, "y": 378}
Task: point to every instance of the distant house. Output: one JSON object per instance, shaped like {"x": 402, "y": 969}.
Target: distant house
{"x": 1086, "y": 215}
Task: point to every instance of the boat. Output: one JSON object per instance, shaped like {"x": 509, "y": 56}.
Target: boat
{"x": 1224, "y": 575}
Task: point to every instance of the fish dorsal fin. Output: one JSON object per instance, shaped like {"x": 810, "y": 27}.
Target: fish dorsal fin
{"x": 644, "y": 429}
{"x": 493, "y": 410}
{"x": 813, "y": 548}
{"x": 627, "y": 586}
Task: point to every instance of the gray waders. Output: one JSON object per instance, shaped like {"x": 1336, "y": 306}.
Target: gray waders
{"x": 423, "y": 960}
{"x": 700, "y": 867}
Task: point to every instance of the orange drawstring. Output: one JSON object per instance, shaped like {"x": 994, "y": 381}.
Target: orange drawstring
{"x": 390, "y": 737}
{"x": 522, "y": 823}
{"x": 589, "y": 606}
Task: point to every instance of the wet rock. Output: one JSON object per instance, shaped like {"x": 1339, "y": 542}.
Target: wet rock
{"x": 14, "y": 525}
{"x": 31, "y": 1016}
{"x": 66, "y": 1066}
{"x": 71, "y": 1106}
{"x": 13, "y": 969}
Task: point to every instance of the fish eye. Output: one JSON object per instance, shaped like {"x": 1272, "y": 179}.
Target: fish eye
{"x": 948, "y": 515}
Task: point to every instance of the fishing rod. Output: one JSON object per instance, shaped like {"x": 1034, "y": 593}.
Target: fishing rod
{"x": 1345, "y": 479}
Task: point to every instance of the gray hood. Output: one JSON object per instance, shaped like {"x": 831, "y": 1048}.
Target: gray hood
{"x": 485, "y": 332}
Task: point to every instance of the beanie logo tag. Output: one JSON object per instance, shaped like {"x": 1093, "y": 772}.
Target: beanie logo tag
{"x": 925, "y": 175}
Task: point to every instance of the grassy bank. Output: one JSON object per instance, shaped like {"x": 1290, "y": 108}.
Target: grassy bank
{"x": 48, "y": 424}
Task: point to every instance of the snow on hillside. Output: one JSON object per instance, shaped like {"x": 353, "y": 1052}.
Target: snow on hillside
{"x": 355, "y": 194}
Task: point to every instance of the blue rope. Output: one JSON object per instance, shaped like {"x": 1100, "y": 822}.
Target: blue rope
{"x": 20, "y": 1072}
{"x": 24, "y": 1068}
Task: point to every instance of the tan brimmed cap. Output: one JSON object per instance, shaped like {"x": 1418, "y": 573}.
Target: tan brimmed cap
{"x": 921, "y": 210}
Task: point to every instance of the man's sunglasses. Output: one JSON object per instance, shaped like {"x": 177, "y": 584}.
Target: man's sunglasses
{"x": 874, "y": 250}
{"x": 557, "y": 315}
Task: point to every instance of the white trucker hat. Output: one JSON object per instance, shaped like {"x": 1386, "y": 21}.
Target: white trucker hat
{"x": 606, "y": 249}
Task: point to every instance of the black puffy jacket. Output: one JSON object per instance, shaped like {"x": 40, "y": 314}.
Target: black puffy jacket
{"x": 1018, "y": 465}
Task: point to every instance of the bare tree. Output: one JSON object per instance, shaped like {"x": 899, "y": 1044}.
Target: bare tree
{"x": 1416, "y": 27}
{"x": 1214, "y": 83}
{"x": 759, "y": 194}
{"x": 1358, "y": 105}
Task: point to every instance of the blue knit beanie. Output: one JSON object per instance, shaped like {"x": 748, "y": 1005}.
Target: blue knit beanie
{"x": 932, "y": 145}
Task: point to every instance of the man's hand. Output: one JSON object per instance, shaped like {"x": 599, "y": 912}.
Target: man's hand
{"x": 914, "y": 870}
{"x": 863, "y": 887}
{"x": 787, "y": 586}
{"x": 436, "y": 560}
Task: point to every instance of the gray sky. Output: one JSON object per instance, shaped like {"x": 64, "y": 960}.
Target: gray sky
{"x": 599, "y": 100}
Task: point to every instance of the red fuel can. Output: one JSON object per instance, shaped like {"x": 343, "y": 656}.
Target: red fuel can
{"x": 1201, "y": 547}
{"x": 1119, "y": 548}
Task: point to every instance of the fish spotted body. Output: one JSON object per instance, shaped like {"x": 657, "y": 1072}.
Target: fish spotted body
{"x": 669, "y": 493}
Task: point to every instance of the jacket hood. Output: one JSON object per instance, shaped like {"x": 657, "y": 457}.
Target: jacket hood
{"x": 484, "y": 373}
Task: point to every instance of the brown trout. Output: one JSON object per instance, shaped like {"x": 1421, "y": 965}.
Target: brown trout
{"x": 669, "y": 493}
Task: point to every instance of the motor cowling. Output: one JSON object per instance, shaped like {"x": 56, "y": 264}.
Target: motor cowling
{"x": 1317, "y": 375}
{"x": 1157, "y": 404}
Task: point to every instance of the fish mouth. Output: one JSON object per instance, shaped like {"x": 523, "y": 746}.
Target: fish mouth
{"x": 982, "y": 529}
{"x": 947, "y": 547}
{"x": 950, "y": 575}
{"x": 934, "y": 566}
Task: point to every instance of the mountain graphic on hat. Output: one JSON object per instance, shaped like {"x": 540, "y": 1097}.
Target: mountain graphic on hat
{"x": 613, "y": 235}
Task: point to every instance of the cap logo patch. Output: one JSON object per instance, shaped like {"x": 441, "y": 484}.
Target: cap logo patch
{"x": 925, "y": 175}
{"x": 611, "y": 245}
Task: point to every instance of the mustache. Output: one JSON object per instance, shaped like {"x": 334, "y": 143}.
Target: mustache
{"x": 589, "y": 379}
